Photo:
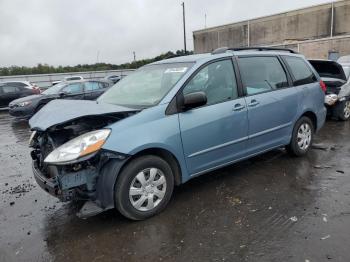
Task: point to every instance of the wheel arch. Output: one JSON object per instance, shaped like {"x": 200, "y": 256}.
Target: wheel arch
{"x": 313, "y": 117}
{"x": 164, "y": 154}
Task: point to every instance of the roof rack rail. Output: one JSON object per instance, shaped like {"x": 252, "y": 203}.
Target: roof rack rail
{"x": 220, "y": 50}
{"x": 258, "y": 48}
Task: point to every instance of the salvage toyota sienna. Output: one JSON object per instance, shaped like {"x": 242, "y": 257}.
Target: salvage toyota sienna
{"x": 171, "y": 121}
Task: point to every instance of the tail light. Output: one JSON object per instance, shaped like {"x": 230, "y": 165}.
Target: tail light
{"x": 36, "y": 90}
{"x": 323, "y": 86}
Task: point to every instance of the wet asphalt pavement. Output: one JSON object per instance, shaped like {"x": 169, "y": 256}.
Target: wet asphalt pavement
{"x": 270, "y": 208}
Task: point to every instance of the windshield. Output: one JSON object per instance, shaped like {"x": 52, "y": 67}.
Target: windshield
{"x": 54, "y": 90}
{"x": 146, "y": 86}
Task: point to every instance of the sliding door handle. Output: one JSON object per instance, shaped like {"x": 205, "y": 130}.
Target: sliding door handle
{"x": 238, "y": 107}
{"x": 253, "y": 103}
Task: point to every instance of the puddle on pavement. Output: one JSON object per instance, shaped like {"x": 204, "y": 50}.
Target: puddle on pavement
{"x": 271, "y": 207}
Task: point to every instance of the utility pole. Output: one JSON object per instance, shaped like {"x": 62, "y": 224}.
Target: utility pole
{"x": 184, "y": 22}
{"x": 205, "y": 21}
{"x": 134, "y": 56}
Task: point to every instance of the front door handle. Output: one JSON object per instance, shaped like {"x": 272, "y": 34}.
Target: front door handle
{"x": 253, "y": 103}
{"x": 238, "y": 107}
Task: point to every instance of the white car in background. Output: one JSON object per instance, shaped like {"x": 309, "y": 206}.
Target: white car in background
{"x": 335, "y": 76}
{"x": 68, "y": 78}
{"x": 345, "y": 63}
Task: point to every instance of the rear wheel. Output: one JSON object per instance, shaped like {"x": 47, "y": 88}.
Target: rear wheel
{"x": 343, "y": 110}
{"x": 144, "y": 187}
{"x": 302, "y": 137}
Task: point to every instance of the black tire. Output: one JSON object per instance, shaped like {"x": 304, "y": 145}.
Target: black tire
{"x": 341, "y": 110}
{"x": 127, "y": 177}
{"x": 293, "y": 148}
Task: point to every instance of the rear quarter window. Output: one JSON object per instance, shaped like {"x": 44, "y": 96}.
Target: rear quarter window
{"x": 262, "y": 74}
{"x": 300, "y": 70}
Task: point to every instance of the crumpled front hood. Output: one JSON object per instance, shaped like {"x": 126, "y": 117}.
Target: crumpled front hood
{"x": 60, "y": 111}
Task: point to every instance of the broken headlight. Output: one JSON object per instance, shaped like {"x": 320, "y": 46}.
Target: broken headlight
{"x": 78, "y": 147}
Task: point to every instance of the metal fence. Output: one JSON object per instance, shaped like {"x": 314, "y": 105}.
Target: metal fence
{"x": 45, "y": 80}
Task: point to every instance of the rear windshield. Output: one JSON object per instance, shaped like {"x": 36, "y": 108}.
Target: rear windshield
{"x": 328, "y": 69}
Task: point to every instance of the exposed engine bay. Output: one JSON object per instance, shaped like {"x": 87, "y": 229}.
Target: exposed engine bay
{"x": 72, "y": 180}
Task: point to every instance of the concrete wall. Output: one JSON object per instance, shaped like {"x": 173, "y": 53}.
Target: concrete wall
{"x": 290, "y": 28}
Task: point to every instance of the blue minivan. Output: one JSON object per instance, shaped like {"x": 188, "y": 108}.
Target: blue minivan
{"x": 171, "y": 121}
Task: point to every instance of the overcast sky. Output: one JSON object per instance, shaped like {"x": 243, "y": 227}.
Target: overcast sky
{"x": 70, "y": 32}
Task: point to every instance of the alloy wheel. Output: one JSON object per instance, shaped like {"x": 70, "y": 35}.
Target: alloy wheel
{"x": 304, "y": 136}
{"x": 347, "y": 109}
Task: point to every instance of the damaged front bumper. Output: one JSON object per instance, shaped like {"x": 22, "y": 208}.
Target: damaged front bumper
{"x": 66, "y": 187}
{"x": 61, "y": 189}
{"x": 92, "y": 183}
{"x": 50, "y": 185}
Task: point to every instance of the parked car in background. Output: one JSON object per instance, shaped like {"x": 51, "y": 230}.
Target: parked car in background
{"x": 82, "y": 89}
{"x": 10, "y": 91}
{"x": 337, "y": 87}
{"x": 171, "y": 121}
{"x": 114, "y": 78}
{"x": 345, "y": 63}
{"x": 73, "y": 78}
{"x": 68, "y": 78}
{"x": 55, "y": 82}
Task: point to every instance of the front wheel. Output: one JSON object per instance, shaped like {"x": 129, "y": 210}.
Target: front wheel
{"x": 144, "y": 187}
{"x": 302, "y": 137}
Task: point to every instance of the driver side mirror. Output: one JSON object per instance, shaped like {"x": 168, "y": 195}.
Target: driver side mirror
{"x": 194, "y": 100}
{"x": 62, "y": 94}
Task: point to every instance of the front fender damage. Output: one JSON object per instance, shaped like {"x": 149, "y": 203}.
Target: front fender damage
{"x": 91, "y": 181}
{"x": 91, "y": 178}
